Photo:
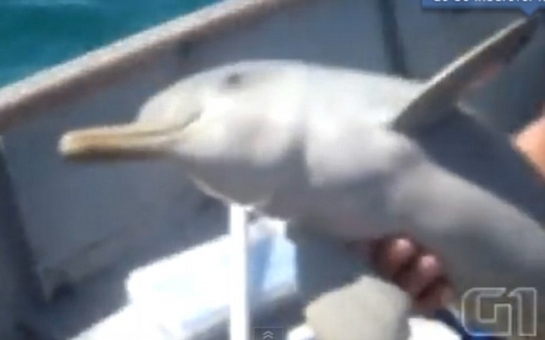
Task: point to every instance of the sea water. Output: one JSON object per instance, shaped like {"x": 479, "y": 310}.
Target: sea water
{"x": 36, "y": 34}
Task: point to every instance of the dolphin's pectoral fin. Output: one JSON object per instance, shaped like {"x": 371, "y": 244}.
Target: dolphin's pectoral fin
{"x": 345, "y": 299}
{"x": 474, "y": 67}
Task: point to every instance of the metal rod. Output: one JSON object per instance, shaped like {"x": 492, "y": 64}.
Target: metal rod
{"x": 240, "y": 304}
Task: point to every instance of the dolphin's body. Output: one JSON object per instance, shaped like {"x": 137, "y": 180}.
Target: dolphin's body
{"x": 344, "y": 155}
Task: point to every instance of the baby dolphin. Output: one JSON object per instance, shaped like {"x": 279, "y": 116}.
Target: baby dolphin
{"x": 345, "y": 155}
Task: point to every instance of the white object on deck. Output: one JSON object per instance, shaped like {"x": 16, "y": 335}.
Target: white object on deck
{"x": 184, "y": 295}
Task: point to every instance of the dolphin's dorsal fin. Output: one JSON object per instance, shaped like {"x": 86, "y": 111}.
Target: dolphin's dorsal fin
{"x": 443, "y": 90}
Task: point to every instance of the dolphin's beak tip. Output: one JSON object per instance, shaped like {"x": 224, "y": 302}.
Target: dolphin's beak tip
{"x": 72, "y": 146}
{"x": 66, "y": 145}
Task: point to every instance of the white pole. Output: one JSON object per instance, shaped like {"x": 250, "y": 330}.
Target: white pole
{"x": 240, "y": 304}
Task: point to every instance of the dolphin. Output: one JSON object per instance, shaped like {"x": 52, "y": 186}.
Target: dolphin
{"x": 344, "y": 154}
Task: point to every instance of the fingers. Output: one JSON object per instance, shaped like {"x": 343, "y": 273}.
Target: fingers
{"x": 436, "y": 296}
{"x": 415, "y": 270}
{"x": 419, "y": 274}
{"x": 531, "y": 142}
{"x": 425, "y": 279}
{"x": 391, "y": 255}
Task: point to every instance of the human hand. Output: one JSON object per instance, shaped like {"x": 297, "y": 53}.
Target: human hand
{"x": 414, "y": 269}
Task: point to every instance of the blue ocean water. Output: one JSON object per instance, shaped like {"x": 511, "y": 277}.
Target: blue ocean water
{"x": 35, "y": 34}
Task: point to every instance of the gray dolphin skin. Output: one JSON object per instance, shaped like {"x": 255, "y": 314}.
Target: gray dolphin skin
{"x": 344, "y": 155}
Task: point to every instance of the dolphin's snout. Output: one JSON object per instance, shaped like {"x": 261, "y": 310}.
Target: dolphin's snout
{"x": 134, "y": 140}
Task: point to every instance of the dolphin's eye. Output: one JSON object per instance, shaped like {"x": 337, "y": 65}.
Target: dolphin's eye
{"x": 234, "y": 79}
